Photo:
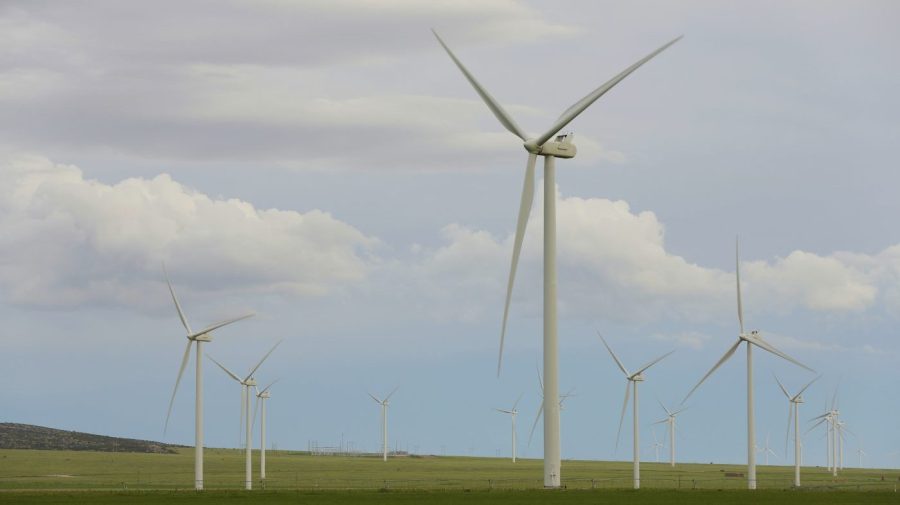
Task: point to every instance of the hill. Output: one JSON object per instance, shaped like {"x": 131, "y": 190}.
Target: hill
{"x": 27, "y": 436}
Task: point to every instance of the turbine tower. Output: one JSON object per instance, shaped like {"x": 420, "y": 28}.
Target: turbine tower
{"x": 261, "y": 397}
{"x": 384, "y": 437}
{"x": 246, "y": 383}
{"x": 559, "y": 147}
{"x": 512, "y": 413}
{"x": 670, "y": 420}
{"x": 204, "y": 335}
{"x": 632, "y": 378}
{"x": 794, "y": 411}
{"x": 753, "y": 338}
{"x": 657, "y": 445}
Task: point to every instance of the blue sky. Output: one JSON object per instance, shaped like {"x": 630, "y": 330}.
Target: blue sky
{"x": 325, "y": 165}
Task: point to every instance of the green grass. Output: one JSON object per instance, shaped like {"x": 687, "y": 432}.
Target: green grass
{"x": 101, "y": 477}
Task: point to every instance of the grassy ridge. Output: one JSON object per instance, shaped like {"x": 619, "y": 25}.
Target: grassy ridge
{"x": 60, "y": 470}
{"x": 607, "y": 497}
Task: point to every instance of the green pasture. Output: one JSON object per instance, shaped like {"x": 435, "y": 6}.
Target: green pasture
{"x": 293, "y": 477}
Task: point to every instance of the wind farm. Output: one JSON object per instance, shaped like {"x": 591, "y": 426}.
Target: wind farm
{"x": 328, "y": 190}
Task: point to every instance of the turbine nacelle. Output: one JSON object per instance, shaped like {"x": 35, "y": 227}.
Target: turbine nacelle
{"x": 205, "y": 337}
{"x": 749, "y": 337}
{"x": 559, "y": 147}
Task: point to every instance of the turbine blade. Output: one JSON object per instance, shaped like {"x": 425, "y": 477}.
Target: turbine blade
{"x": 663, "y": 407}
{"x": 713, "y": 369}
{"x": 787, "y": 435}
{"x": 184, "y": 362}
{"x": 373, "y": 397}
{"x": 537, "y": 418}
{"x": 175, "y": 299}
{"x": 499, "y": 112}
{"x": 759, "y": 342}
{"x": 504, "y": 411}
{"x": 815, "y": 425}
{"x": 737, "y": 276}
{"x": 388, "y": 397}
{"x": 263, "y": 359}
{"x": 521, "y": 223}
{"x": 783, "y": 390}
{"x": 679, "y": 411}
{"x": 806, "y": 386}
{"x": 255, "y": 408}
{"x": 270, "y": 385}
{"x": 540, "y": 380}
{"x": 616, "y": 358}
{"x": 578, "y": 107}
{"x": 657, "y": 360}
{"x": 660, "y": 422}
{"x": 517, "y": 401}
{"x": 835, "y": 396}
{"x": 244, "y": 399}
{"x": 220, "y": 324}
{"x": 622, "y": 417}
{"x": 229, "y": 372}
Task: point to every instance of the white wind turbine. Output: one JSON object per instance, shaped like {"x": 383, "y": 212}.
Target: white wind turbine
{"x": 560, "y": 147}
{"x": 657, "y": 445}
{"x": 860, "y": 453}
{"x": 261, "y": 397}
{"x": 794, "y": 411}
{"x": 670, "y": 420}
{"x": 384, "y": 434}
{"x": 831, "y": 419}
{"x": 753, "y": 338}
{"x": 512, "y": 413}
{"x": 204, "y": 335}
{"x": 632, "y": 378}
{"x": 246, "y": 383}
{"x": 767, "y": 450}
{"x": 540, "y": 412}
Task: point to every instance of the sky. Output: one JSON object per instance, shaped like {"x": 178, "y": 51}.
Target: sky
{"x": 325, "y": 165}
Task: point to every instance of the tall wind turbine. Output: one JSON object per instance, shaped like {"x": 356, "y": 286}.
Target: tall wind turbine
{"x": 512, "y": 413}
{"x": 261, "y": 397}
{"x": 632, "y": 378}
{"x": 559, "y": 147}
{"x": 753, "y": 338}
{"x": 794, "y": 410}
{"x": 246, "y": 383}
{"x": 670, "y": 420}
{"x": 204, "y": 335}
{"x": 384, "y": 436}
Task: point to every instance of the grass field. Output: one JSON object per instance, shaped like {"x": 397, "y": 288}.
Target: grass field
{"x": 102, "y": 477}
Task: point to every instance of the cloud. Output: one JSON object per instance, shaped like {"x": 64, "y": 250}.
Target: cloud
{"x": 613, "y": 264}
{"x": 69, "y": 241}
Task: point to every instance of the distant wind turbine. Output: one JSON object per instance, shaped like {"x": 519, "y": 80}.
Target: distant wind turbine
{"x": 657, "y": 445}
{"x": 550, "y": 145}
{"x": 753, "y": 338}
{"x": 767, "y": 450}
{"x": 204, "y": 335}
{"x": 632, "y": 378}
{"x": 384, "y": 431}
{"x": 540, "y": 412}
{"x": 246, "y": 383}
{"x": 670, "y": 420}
{"x": 512, "y": 414}
{"x": 261, "y": 397}
{"x": 794, "y": 411}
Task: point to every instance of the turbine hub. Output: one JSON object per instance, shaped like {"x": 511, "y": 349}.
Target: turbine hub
{"x": 559, "y": 147}
{"x": 206, "y": 337}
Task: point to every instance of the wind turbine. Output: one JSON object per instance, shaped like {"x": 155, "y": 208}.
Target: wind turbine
{"x": 860, "y": 453}
{"x": 828, "y": 419}
{"x": 559, "y": 147}
{"x": 261, "y": 397}
{"x": 794, "y": 410}
{"x": 204, "y": 335}
{"x": 512, "y": 413}
{"x": 670, "y": 420}
{"x": 767, "y": 450}
{"x": 657, "y": 445}
{"x": 753, "y": 338}
{"x": 246, "y": 383}
{"x": 632, "y": 378}
{"x": 540, "y": 412}
{"x": 384, "y": 437}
